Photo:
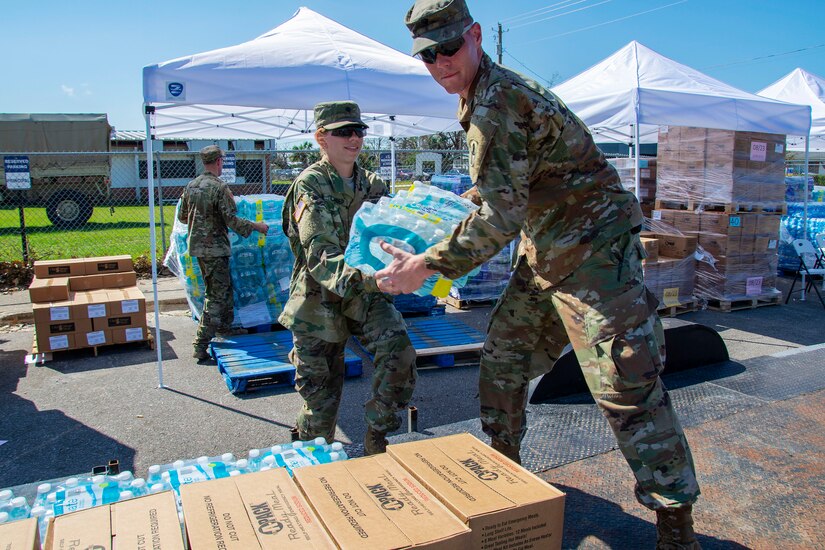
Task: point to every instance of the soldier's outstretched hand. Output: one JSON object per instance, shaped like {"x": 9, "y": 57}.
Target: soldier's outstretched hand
{"x": 406, "y": 273}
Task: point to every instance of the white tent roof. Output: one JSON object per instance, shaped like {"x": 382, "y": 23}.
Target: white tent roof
{"x": 800, "y": 86}
{"x": 268, "y": 86}
{"x": 635, "y": 79}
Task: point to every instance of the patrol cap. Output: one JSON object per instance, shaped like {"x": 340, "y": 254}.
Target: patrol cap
{"x": 337, "y": 114}
{"x": 435, "y": 22}
{"x": 211, "y": 153}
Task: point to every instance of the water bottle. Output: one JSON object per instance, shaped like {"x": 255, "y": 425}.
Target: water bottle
{"x": 182, "y": 472}
{"x": 256, "y": 457}
{"x": 42, "y": 494}
{"x": 42, "y": 515}
{"x": 15, "y": 508}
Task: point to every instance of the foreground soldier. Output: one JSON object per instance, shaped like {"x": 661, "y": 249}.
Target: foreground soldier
{"x": 578, "y": 277}
{"x": 328, "y": 300}
{"x": 208, "y": 208}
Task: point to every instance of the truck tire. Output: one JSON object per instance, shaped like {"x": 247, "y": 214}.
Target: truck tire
{"x": 69, "y": 209}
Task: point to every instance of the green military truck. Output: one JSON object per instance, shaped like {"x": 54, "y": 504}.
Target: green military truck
{"x": 67, "y": 178}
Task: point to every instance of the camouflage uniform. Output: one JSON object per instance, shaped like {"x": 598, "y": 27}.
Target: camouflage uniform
{"x": 208, "y": 208}
{"x": 329, "y": 301}
{"x": 578, "y": 278}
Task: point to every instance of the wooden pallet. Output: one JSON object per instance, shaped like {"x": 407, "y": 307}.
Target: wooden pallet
{"x": 444, "y": 341}
{"x": 744, "y": 303}
{"x": 468, "y": 304}
{"x": 36, "y": 357}
{"x": 779, "y": 208}
{"x": 249, "y": 361}
{"x": 672, "y": 311}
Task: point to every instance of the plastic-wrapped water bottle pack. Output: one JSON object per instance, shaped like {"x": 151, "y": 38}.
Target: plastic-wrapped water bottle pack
{"x": 260, "y": 265}
{"x": 413, "y": 221}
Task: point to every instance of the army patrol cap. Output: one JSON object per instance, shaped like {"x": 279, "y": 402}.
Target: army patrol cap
{"x": 435, "y": 22}
{"x": 337, "y": 114}
{"x": 211, "y": 153}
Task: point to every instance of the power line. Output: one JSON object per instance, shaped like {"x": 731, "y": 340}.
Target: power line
{"x": 539, "y": 11}
{"x": 603, "y": 24}
{"x": 562, "y": 14}
{"x": 549, "y": 82}
{"x": 765, "y": 57}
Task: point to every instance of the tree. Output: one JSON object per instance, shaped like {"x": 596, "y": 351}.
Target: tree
{"x": 305, "y": 154}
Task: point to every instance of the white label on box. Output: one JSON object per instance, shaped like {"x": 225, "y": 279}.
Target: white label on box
{"x": 97, "y": 310}
{"x": 134, "y": 334}
{"x": 735, "y": 221}
{"x": 60, "y": 313}
{"x": 771, "y": 244}
{"x": 644, "y": 173}
{"x": 657, "y": 214}
{"x": 753, "y": 286}
{"x": 129, "y": 306}
{"x": 779, "y": 148}
{"x": 59, "y": 342}
{"x": 96, "y": 338}
{"x": 670, "y": 297}
{"x": 759, "y": 151}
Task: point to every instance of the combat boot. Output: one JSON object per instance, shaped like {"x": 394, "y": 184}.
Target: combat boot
{"x": 375, "y": 442}
{"x": 510, "y": 451}
{"x": 674, "y": 527}
{"x": 201, "y": 355}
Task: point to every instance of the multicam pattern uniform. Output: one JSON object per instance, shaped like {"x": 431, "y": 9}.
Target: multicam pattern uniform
{"x": 329, "y": 301}
{"x": 578, "y": 278}
{"x": 208, "y": 208}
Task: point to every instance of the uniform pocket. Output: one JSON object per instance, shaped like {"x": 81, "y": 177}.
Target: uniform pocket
{"x": 635, "y": 353}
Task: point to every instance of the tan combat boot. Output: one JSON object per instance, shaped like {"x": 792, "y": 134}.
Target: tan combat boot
{"x": 375, "y": 442}
{"x": 510, "y": 451}
{"x": 674, "y": 528}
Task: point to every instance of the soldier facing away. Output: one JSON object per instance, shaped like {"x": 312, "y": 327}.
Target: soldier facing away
{"x": 329, "y": 300}
{"x": 208, "y": 208}
{"x": 578, "y": 277}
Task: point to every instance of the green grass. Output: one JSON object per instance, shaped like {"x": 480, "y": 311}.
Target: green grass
{"x": 124, "y": 231}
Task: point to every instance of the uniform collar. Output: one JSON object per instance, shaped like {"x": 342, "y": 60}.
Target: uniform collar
{"x": 466, "y": 107}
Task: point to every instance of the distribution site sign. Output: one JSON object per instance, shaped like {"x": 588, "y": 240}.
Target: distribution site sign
{"x": 228, "y": 174}
{"x": 18, "y": 175}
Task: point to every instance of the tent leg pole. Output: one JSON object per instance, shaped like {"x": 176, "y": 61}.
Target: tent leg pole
{"x": 805, "y": 207}
{"x": 636, "y": 157}
{"x": 153, "y": 238}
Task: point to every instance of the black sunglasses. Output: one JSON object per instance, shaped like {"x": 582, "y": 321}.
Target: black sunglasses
{"x": 347, "y": 131}
{"x": 447, "y": 49}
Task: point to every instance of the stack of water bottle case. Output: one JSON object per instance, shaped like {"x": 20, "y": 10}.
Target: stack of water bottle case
{"x": 452, "y": 491}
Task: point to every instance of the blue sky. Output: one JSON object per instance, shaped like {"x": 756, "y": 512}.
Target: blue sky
{"x": 87, "y": 56}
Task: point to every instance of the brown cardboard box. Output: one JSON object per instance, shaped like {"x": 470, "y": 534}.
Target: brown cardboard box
{"x": 651, "y": 246}
{"x": 505, "y": 505}
{"x": 109, "y": 264}
{"x": 137, "y": 524}
{"x": 94, "y": 338}
{"x": 85, "y": 282}
{"x": 126, "y": 301}
{"x": 53, "y": 289}
{"x": 53, "y": 311}
{"x": 43, "y": 269}
{"x": 282, "y": 517}
{"x": 128, "y": 320}
{"x": 392, "y": 492}
{"x": 90, "y": 304}
{"x": 129, "y": 334}
{"x": 59, "y": 335}
{"x": 119, "y": 280}
{"x": 20, "y": 535}
{"x": 676, "y": 246}
{"x": 215, "y": 516}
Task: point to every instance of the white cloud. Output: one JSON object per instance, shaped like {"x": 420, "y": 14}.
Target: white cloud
{"x": 68, "y": 90}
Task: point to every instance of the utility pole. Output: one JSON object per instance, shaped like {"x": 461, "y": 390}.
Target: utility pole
{"x": 499, "y": 46}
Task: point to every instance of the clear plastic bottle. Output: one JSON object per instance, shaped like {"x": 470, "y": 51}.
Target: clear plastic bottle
{"x": 42, "y": 515}
{"x": 42, "y": 494}
{"x": 19, "y": 509}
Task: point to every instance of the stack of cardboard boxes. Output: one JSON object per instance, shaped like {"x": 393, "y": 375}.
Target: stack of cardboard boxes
{"x": 451, "y": 493}
{"x": 720, "y": 166}
{"x": 626, "y": 167}
{"x": 669, "y": 267}
{"x": 87, "y": 302}
{"x": 742, "y": 248}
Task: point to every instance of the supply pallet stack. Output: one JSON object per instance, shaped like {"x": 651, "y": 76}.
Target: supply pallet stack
{"x": 727, "y": 189}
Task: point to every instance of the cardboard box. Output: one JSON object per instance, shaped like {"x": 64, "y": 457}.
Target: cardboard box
{"x": 128, "y": 334}
{"x": 53, "y": 311}
{"x": 93, "y": 338}
{"x": 651, "y": 246}
{"x": 676, "y": 246}
{"x": 119, "y": 280}
{"x": 20, "y": 535}
{"x": 60, "y": 335}
{"x": 137, "y": 524}
{"x": 375, "y": 489}
{"x": 53, "y": 289}
{"x": 505, "y": 505}
{"x": 90, "y": 304}
{"x": 108, "y": 264}
{"x": 44, "y": 269}
{"x": 85, "y": 282}
{"x": 282, "y": 518}
{"x": 120, "y": 321}
{"x": 126, "y": 301}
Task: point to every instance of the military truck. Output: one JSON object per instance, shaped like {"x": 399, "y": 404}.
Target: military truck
{"x": 66, "y": 177}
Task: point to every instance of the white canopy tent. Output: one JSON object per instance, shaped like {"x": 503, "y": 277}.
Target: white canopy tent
{"x": 628, "y": 95}
{"x": 804, "y": 88}
{"x": 267, "y": 88}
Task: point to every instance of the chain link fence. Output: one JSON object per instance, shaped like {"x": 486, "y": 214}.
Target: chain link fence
{"x": 83, "y": 204}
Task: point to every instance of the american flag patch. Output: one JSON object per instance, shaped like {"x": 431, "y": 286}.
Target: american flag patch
{"x": 299, "y": 210}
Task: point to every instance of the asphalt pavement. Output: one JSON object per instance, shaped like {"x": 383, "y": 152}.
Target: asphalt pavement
{"x": 79, "y": 411}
